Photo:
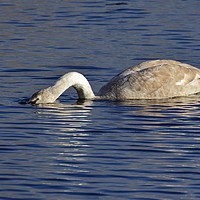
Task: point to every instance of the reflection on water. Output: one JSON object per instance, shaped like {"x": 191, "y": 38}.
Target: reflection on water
{"x": 66, "y": 117}
{"x": 69, "y": 123}
{"x": 182, "y": 106}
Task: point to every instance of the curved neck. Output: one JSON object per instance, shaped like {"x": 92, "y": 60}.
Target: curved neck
{"x": 76, "y": 80}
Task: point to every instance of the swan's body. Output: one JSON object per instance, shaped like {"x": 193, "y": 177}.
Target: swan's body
{"x": 156, "y": 79}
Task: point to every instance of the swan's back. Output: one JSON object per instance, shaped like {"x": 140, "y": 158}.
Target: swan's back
{"x": 153, "y": 80}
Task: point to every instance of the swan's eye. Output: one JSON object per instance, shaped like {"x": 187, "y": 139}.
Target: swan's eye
{"x": 33, "y": 101}
{"x": 36, "y": 100}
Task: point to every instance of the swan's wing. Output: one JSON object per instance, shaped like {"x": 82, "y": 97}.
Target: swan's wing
{"x": 149, "y": 80}
{"x": 153, "y": 79}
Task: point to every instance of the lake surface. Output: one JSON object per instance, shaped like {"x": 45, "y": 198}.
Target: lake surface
{"x": 104, "y": 150}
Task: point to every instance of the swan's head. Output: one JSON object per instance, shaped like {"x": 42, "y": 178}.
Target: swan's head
{"x": 42, "y": 96}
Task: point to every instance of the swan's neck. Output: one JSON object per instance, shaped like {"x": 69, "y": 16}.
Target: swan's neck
{"x": 76, "y": 80}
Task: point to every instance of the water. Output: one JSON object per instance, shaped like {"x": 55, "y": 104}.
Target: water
{"x": 96, "y": 149}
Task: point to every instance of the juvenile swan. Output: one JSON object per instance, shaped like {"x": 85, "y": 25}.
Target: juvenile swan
{"x": 155, "y": 79}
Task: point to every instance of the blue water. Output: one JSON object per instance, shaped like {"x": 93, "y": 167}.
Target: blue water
{"x": 144, "y": 150}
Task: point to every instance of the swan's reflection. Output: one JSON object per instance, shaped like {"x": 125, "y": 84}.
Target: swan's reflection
{"x": 65, "y": 120}
{"x": 65, "y": 117}
{"x": 67, "y": 125}
{"x": 183, "y": 106}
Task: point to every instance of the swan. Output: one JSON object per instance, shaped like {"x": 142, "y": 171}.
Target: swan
{"x": 156, "y": 79}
